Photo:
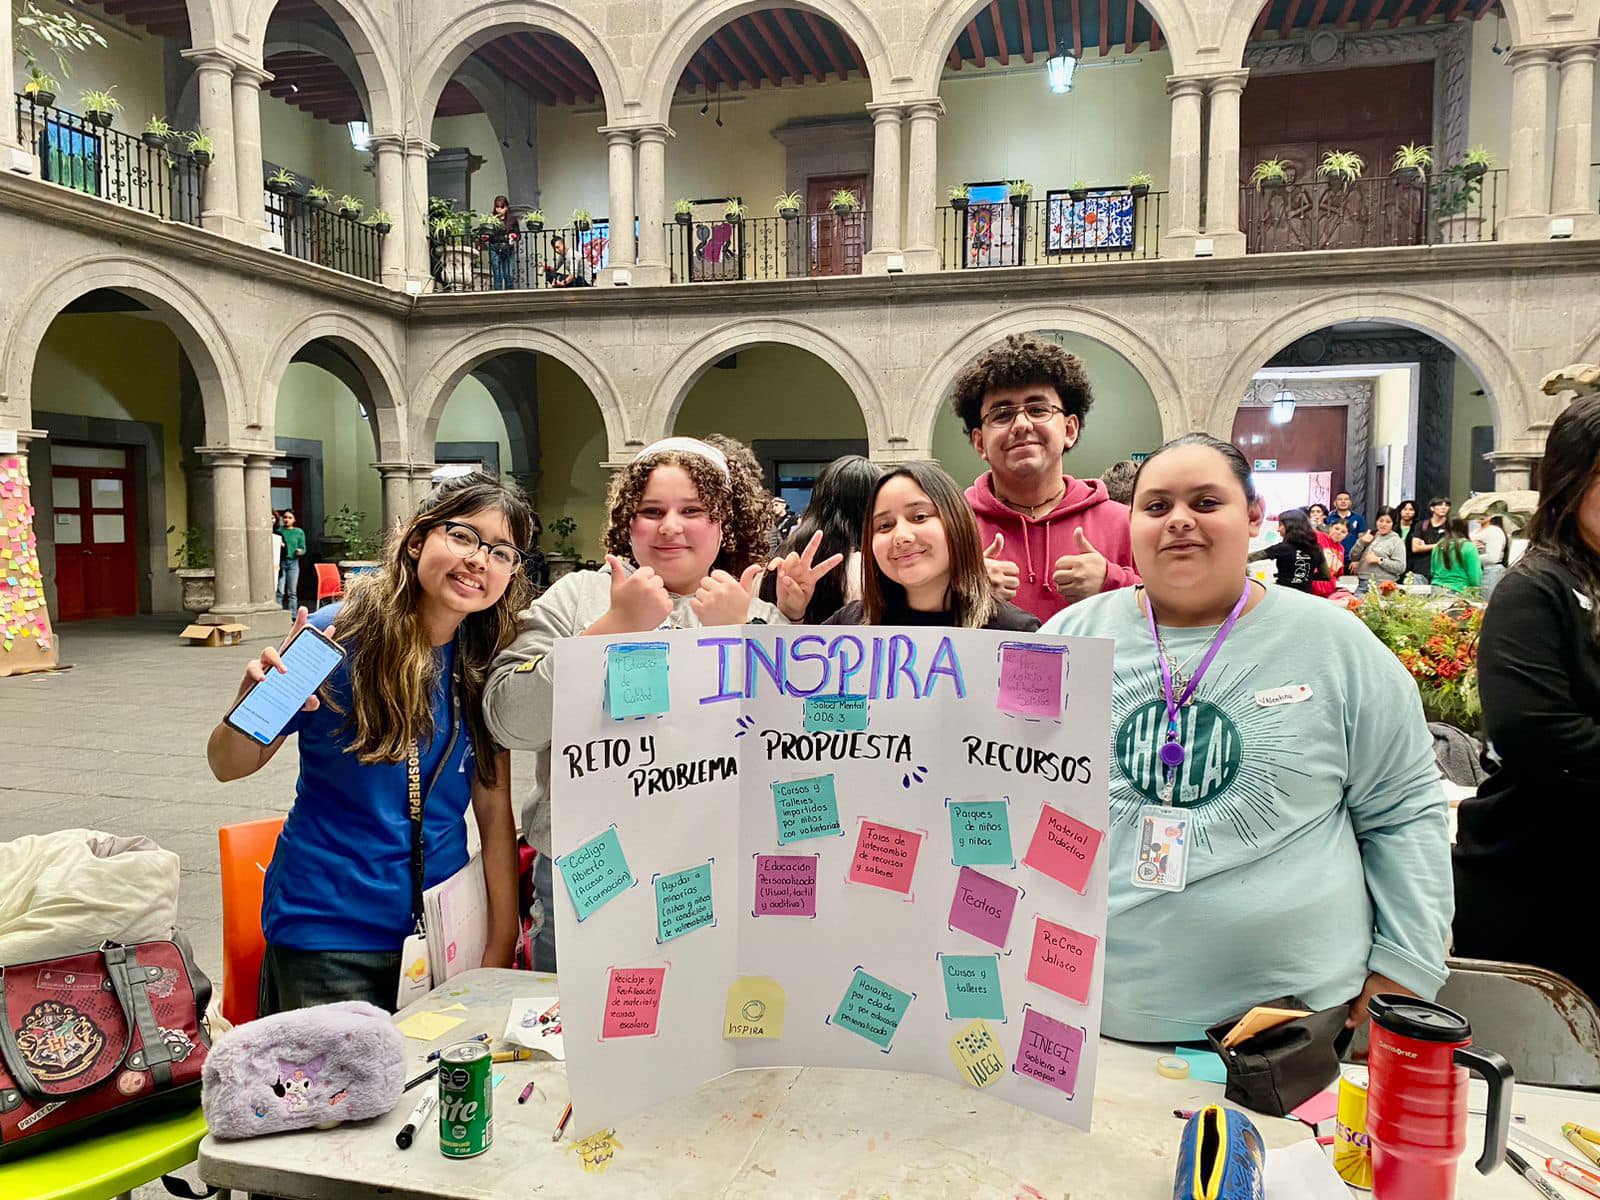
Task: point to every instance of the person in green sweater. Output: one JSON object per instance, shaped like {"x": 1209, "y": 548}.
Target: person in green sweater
{"x": 1456, "y": 565}
{"x": 1290, "y": 744}
{"x": 294, "y": 549}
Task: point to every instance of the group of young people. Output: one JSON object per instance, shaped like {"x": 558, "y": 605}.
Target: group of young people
{"x": 1319, "y": 867}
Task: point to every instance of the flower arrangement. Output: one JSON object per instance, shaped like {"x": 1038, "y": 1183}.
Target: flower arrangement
{"x": 1439, "y": 647}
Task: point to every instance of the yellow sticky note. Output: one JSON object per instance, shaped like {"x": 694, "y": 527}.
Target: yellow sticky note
{"x": 454, "y": 1008}
{"x": 597, "y": 1150}
{"x": 755, "y": 1008}
{"x": 427, "y": 1026}
{"x": 977, "y": 1054}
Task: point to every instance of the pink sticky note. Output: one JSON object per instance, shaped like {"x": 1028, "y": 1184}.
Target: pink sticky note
{"x": 885, "y": 857}
{"x": 633, "y": 1002}
{"x": 1317, "y": 1109}
{"x": 983, "y": 907}
{"x": 1063, "y": 848}
{"x": 1049, "y": 1050}
{"x": 1030, "y": 681}
{"x": 1062, "y": 959}
{"x": 786, "y": 885}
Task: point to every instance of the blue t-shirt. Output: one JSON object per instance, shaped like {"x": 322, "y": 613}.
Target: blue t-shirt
{"x": 1356, "y": 526}
{"x": 340, "y": 878}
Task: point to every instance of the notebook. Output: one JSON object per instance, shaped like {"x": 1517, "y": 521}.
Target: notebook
{"x": 457, "y": 913}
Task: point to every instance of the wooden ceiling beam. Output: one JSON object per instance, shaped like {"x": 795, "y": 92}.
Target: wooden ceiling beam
{"x": 1049, "y": 27}
{"x": 1456, "y": 9}
{"x": 779, "y": 44}
{"x": 1400, "y": 13}
{"x": 785, "y": 18}
{"x": 575, "y": 67}
{"x": 1316, "y": 14}
{"x": 1289, "y": 15}
{"x": 1105, "y": 27}
{"x": 724, "y": 64}
{"x": 1373, "y": 13}
{"x": 1483, "y": 8}
{"x": 1426, "y": 14}
{"x": 547, "y": 56}
{"x": 1077, "y": 30}
{"x": 854, "y": 52}
{"x": 1344, "y": 14}
{"x": 1263, "y": 18}
{"x": 976, "y": 42}
{"x": 1002, "y": 51}
{"x": 521, "y": 67}
{"x": 831, "y": 52}
{"x": 1128, "y": 33}
{"x": 1027, "y": 30}
{"x": 768, "y": 67}
{"x": 1155, "y": 34}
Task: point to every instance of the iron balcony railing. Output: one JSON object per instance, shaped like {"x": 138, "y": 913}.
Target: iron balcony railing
{"x": 1099, "y": 225}
{"x": 1450, "y": 207}
{"x": 153, "y": 175}
{"x": 797, "y": 247}
{"x": 324, "y": 236}
{"x": 492, "y": 259}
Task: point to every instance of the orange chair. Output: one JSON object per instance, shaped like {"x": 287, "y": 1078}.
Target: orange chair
{"x": 245, "y": 850}
{"x": 329, "y": 585}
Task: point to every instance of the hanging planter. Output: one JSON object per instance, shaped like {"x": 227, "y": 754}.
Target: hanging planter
{"x": 1079, "y": 192}
{"x": 1139, "y": 183}
{"x": 683, "y": 211}
{"x": 280, "y": 183}
{"x": 582, "y": 220}
{"x": 959, "y": 203}
{"x": 534, "y": 221}
{"x": 96, "y": 117}
{"x": 99, "y": 106}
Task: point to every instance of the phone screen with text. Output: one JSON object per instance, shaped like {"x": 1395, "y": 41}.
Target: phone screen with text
{"x": 272, "y": 703}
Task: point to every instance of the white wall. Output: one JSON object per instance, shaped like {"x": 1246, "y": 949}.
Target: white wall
{"x": 477, "y": 134}
{"x": 131, "y": 61}
{"x": 1391, "y": 427}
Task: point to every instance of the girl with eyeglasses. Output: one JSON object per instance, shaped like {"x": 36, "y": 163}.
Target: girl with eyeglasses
{"x": 419, "y": 636}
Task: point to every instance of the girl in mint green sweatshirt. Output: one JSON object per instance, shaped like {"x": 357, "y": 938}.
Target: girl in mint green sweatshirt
{"x": 1318, "y": 866}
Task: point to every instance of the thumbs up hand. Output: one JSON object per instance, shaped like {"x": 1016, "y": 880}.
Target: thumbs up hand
{"x": 1081, "y": 575}
{"x": 723, "y": 600}
{"x": 1004, "y": 577}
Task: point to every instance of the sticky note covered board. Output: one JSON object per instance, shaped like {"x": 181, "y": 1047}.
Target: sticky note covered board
{"x": 872, "y": 1008}
{"x": 980, "y": 833}
{"x": 1063, "y": 847}
{"x": 807, "y": 808}
{"x": 595, "y": 872}
{"x": 633, "y": 1002}
{"x": 636, "y": 680}
{"x": 885, "y": 857}
{"x": 683, "y": 902}
{"x": 1030, "y": 680}
{"x": 786, "y": 885}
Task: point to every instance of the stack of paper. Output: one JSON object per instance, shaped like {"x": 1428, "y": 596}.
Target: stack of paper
{"x": 457, "y": 913}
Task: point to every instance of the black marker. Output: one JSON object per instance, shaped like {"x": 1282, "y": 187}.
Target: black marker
{"x": 419, "y": 1114}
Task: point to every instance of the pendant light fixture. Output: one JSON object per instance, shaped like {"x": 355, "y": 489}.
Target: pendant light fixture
{"x": 1282, "y": 405}
{"x": 1059, "y": 69}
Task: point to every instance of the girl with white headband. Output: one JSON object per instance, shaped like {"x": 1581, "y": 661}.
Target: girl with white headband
{"x": 685, "y": 545}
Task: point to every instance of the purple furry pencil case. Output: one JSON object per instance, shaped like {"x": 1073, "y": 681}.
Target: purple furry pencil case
{"x": 295, "y": 1070}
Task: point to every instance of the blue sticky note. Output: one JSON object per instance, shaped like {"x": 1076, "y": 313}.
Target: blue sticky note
{"x": 972, "y": 986}
{"x": 636, "y": 680}
{"x": 683, "y": 902}
{"x": 980, "y": 833}
{"x": 595, "y": 872}
{"x": 1204, "y": 1065}
{"x": 836, "y": 714}
{"x": 806, "y": 808}
{"x": 499, "y": 1078}
{"x": 872, "y": 1008}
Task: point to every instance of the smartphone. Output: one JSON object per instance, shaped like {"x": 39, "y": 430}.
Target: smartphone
{"x": 265, "y": 709}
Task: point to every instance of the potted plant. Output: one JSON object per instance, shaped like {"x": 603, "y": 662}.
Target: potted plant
{"x": 1140, "y": 182}
{"x": 959, "y": 196}
{"x": 733, "y": 212}
{"x": 534, "y": 221}
{"x": 380, "y": 221}
{"x": 1454, "y": 191}
{"x": 484, "y": 225}
{"x": 350, "y": 207}
{"x": 192, "y": 565}
{"x": 1078, "y": 190}
{"x": 565, "y": 559}
{"x": 99, "y": 107}
{"x": 788, "y": 205}
{"x": 318, "y": 196}
{"x": 1411, "y": 162}
{"x": 1270, "y": 173}
{"x": 361, "y": 549}
{"x": 201, "y": 147}
{"x": 40, "y": 88}
{"x": 457, "y": 256}
{"x": 844, "y": 202}
{"x": 1475, "y": 163}
{"x": 683, "y": 211}
{"x": 1343, "y": 167}
{"x": 582, "y": 220}
{"x": 1439, "y": 647}
{"x": 157, "y": 132}
{"x": 280, "y": 182}
{"x": 1018, "y": 191}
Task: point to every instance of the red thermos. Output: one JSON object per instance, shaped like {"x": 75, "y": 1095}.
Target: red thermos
{"x": 1417, "y": 1098}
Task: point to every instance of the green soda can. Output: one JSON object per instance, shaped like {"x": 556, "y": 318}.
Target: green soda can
{"x": 466, "y": 1100}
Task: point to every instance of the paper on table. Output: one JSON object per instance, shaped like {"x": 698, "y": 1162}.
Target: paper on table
{"x": 520, "y": 1031}
{"x": 1204, "y": 1065}
{"x": 427, "y": 1026}
{"x": 1319, "y": 1108}
{"x": 1303, "y": 1172}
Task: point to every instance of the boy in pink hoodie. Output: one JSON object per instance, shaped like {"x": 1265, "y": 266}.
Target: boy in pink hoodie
{"x": 1050, "y": 539}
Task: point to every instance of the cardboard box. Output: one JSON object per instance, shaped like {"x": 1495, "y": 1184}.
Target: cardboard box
{"x": 214, "y": 635}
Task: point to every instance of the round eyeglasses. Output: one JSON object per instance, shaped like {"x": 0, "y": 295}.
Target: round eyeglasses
{"x": 464, "y": 542}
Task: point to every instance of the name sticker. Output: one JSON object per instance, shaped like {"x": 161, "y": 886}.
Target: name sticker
{"x": 1293, "y": 693}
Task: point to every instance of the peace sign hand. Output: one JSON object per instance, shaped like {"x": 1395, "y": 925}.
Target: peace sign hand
{"x": 797, "y": 577}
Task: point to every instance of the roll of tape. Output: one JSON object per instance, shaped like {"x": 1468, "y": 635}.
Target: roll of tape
{"x": 1170, "y": 1067}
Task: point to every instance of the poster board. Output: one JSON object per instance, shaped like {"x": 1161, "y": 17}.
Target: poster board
{"x": 26, "y": 641}
{"x": 867, "y": 847}
{"x": 1101, "y": 222}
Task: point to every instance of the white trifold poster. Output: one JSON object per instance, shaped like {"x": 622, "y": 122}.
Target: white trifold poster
{"x": 819, "y": 846}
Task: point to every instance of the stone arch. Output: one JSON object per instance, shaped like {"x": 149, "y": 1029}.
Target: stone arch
{"x": 701, "y": 18}
{"x": 1238, "y": 24}
{"x": 929, "y": 397}
{"x": 951, "y": 17}
{"x": 378, "y": 76}
{"x": 208, "y": 22}
{"x": 433, "y": 390}
{"x": 481, "y": 23}
{"x": 203, "y": 336}
{"x": 1470, "y": 341}
{"x": 379, "y": 371}
{"x": 666, "y": 401}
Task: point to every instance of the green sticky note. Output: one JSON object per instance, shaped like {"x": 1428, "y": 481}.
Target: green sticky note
{"x": 683, "y": 902}
{"x": 872, "y": 1008}
{"x": 636, "y": 680}
{"x": 806, "y": 808}
{"x": 836, "y": 714}
{"x": 595, "y": 872}
{"x": 980, "y": 833}
{"x": 1204, "y": 1065}
{"x": 972, "y": 986}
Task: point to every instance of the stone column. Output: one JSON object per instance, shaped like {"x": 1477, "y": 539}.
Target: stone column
{"x": 13, "y": 154}
{"x": 414, "y": 221}
{"x": 258, "y": 544}
{"x": 214, "y": 81}
{"x": 390, "y": 172}
{"x": 885, "y": 206}
{"x": 228, "y": 536}
{"x": 1513, "y": 469}
{"x": 619, "y": 156}
{"x": 1528, "y": 182}
{"x": 421, "y": 483}
{"x": 1571, "y": 190}
{"x": 652, "y": 267}
{"x": 247, "y": 83}
{"x": 397, "y": 506}
{"x": 1222, "y": 166}
{"x": 1183, "y": 179}
{"x": 922, "y": 188}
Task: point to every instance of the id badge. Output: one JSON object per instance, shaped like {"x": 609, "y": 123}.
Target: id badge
{"x": 416, "y": 979}
{"x": 1161, "y": 859}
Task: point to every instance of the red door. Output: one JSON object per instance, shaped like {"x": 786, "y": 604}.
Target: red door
{"x": 96, "y": 567}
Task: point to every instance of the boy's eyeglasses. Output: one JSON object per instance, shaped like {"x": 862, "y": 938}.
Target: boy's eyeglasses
{"x": 464, "y": 542}
{"x": 1003, "y": 416}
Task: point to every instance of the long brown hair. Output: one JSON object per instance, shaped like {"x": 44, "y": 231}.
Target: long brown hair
{"x": 1570, "y": 467}
{"x": 968, "y": 595}
{"x": 393, "y": 665}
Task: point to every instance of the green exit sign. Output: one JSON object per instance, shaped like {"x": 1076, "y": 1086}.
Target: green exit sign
{"x": 1265, "y": 464}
